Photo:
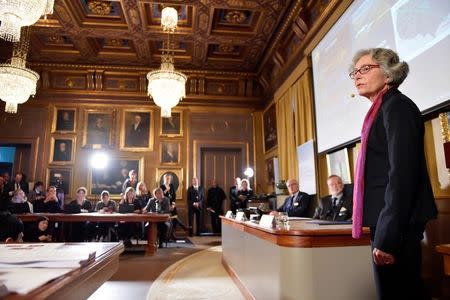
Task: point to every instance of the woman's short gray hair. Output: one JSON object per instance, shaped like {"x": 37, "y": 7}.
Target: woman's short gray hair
{"x": 389, "y": 62}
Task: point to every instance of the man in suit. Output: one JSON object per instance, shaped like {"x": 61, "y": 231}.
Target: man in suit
{"x": 234, "y": 194}
{"x": 161, "y": 205}
{"x": 17, "y": 183}
{"x": 339, "y": 205}
{"x": 215, "y": 198}
{"x": 195, "y": 199}
{"x": 296, "y": 205}
{"x": 137, "y": 134}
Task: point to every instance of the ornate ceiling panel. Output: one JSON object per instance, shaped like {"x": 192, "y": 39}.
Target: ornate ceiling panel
{"x": 222, "y": 35}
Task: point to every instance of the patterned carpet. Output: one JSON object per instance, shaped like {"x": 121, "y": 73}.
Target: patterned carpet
{"x": 198, "y": 276}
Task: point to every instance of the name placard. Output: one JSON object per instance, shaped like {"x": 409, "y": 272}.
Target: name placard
{"x": 240, "y": 216}
{"x": 266, "y": 221}
{"x": 228, "y": 214}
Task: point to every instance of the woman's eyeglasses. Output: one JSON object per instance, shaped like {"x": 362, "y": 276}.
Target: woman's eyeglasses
{"x": 363, "y": 70}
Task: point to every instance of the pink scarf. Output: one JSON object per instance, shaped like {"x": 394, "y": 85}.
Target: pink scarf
{"x": 358, "y": 190}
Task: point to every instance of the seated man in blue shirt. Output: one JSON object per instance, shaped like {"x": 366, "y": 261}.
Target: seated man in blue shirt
{"x": 296, "y": 205}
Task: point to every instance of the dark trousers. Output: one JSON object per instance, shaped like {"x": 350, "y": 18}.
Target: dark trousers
{"x": 216, "y": 223}
{"x": 403, "y": 279}
{"x": 197, "y": 212}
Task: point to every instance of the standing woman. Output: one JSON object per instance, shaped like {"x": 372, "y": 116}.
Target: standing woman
{"x": 392, "y": 193}
{"x": 243, "y": 195}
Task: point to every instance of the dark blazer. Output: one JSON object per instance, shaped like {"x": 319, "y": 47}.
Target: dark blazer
{"x": 215, "y": 198}
{"x": 11, "y": 187}
{"x": 397, "y": 190}
{"x": 241, "y": 204}
{"x": 297, "y": 207}
{"x": 194, "y": 195}
{"x": 169, "y": 194}
{"x": 164, "y": 207}
{"x": 342, "y": 212}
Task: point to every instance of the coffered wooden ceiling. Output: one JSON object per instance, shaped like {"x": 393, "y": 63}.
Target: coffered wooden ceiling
{"x": 211, "y": 34}
{"x": 233, "y": 51}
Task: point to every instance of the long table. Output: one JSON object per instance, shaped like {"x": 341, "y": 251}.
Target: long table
{"x": 151, "y": 218}
{"x": 81, "y": 282}
{"x": 307, "y": 261}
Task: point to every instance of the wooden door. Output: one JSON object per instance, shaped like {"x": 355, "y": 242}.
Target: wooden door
{"x": 224, "y": 164}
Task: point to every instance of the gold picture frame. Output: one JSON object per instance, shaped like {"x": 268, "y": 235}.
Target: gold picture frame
{"x": 170, "y": 152}
{"x": 62, "y": 150}
{"x": 110, "y": 178}
{"x": 177, "y": 179}
{"x": 99, "y": 128}
{"x": 173, "y": 126}
{"x": 61, "y": 178}
{"x": 137, "y": 130}
{"x": 338, "y": 164}
{"x": 270, "y": 137}
{"x": 64, "y": 119}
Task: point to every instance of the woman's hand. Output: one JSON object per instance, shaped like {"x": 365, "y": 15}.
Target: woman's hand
{"x": 382, "y": 258}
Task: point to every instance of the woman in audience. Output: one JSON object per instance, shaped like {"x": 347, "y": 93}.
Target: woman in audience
{"x": 244, "y": 194}
{"x": 142, "y": 193}
{"x": 81, "y": 203}
{"x": 106, "y": 230}
{"x": 40, "y": 232}
{"x": 129, "y": 204}
{"x": 37, "y": 193}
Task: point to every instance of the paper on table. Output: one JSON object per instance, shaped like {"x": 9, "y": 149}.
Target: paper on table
{"x": 57, "y": 254}
{"x": 24, "y": 280}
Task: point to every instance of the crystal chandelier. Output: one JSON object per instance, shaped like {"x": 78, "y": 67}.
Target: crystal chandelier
{"x": 167, "y": 86}
{"x": 15, "y": 14}
{"x": 17, "y": 83}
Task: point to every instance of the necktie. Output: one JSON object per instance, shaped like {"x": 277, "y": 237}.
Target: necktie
{"x": 335, "y": 201}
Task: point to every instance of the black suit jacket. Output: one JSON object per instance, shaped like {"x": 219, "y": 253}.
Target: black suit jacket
{"x": 163, "y": 207}
{"x": 299, "y": 207}
{"x": 341, "y": 212}
{"x": 11, "y": 187}
{"x": 195, "y": 196}
{"x": 397, "y": 191}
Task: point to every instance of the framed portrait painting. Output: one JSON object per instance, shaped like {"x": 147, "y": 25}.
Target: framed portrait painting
{"x": 172, "y": 126}
{"x": 61, "y": 178}
{"x": 177, "y": 179}
{"x": 338, "y": 164}
{"x": 64, "y": 119}
{"x": 170, "y": 152}
{"x": 98, "y": 128}
{"x": 270, "y": 128}
{"x": 270, "y": 169}
{"x": 62, "y": 150}
{"x": 112, "y": 177}
{"x": 136, "y": 130}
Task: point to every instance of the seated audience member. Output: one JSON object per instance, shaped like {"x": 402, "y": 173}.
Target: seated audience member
{"x": 79, "y": 231}
{"x": 127, "y": 205}
{"x": 335, "y": 207}
{"x": 17, "y": 183}
{"x": 161, "y": 205}
{"x": 106, "y": 206}
{"x": 296, "y": 205}
{"x": 19, "y": 203}
{"x": 40, "y": 232}
{"x": 50, "y": 204}
{"x": 142, "y": 193}
{"x": 37, "y": 193}
{"x": 233, "y": 194}
{"x": 243, "y": 195}
{"x": 11, "y": 228}
{"x": 80, "y": 204}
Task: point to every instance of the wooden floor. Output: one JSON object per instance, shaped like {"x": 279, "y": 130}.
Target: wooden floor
{"x": 137, "y": 271}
